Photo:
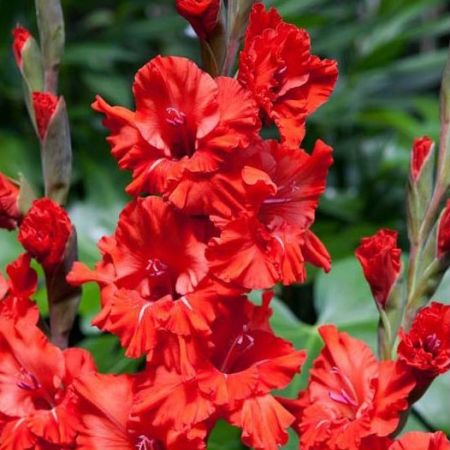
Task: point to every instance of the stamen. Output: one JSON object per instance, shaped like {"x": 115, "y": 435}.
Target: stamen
{"x": 174, "y": 117}
{"x": 156, "y": 267}
{"x": 342, "y": 397}
{"x": 28, "y": 382}
{"x": 432, "y": 343}
{"x": 144, "y": 443}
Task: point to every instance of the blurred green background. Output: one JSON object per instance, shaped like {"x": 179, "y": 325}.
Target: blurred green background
{"x": 391, "y": 54}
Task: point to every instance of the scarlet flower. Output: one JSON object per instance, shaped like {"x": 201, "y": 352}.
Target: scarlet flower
{"x": 420, "y": 153}
{"x": 287, "y": 81}
{"x": 201, "y": 14}
{"x": 44, "y": 232}
{"x": 44, "y": 105}
{"x": 152, "y": 276}
{"x": 443, "y": 237}
{"x": 350, "y": 396}
{"x": 104, "y": 407}
{"x": 185, "y": 123}
{"x": 416, "y": 440}
{"x": 380, "y": 259}
{"x": 233, "y": 379}
{"x": 426, "y": 346}
{"x": 16, "y": 292}
{"x": 21, "y": 36}
{"x": 9, "y": 208}
{"x": 270, "y": 239}
{"x": 36, "y": 394}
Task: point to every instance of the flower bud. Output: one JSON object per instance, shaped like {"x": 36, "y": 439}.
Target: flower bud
{"x": 203, "y": 15}
{"x": 421, "y": 152}
{"x": 45, "y": 231}
{"x": 380, "y": 259}
{"x": 44, "y": 104}
{"x": 9, "y": 209}
{"x": 52, "y": 126}
{"x": 21, "y": 35}
{"x": 443, "y": 236}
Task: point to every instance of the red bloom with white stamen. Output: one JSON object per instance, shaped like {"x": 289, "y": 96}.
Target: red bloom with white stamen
{"x": 36, "y": 393}
{"x": 350, "y": 396}
{"x": 185, "y": 122}
{"x": 153, "y": 276}
{"x": 271, "y": 240}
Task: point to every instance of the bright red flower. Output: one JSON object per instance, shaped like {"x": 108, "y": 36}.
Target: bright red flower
{"x": 45, "y": 231}
{"x": 416, "y": 440}
{"x": 44, "y": 104}
{"x": 270, "y": 240}
{"x": 380, "y": 259}
{"x": 201, "y": 14}
{"x": 185, "y": 123}
{"x": 36, "y": 387}
{"x": 104, "y": 408}
{"x": 233, "y": 379}
{"x": 15, "y": 292}
{"x": 288, "y": 82}
{"x": 152, "y": 276}
{"x": 21, "y": 36}
{"x": 9, "y": 208}
{"x": 443, "y": 237}
{"x": 426, "y": 346}
{"x": 420, "y": 153}
{"x": 350, "y": 396}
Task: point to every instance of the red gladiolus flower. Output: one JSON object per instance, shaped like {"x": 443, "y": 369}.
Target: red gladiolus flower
{"x": 45, "y": 231}
{"x": 185, "y": 122}
{"x": 443, "y": 238}
{"x": 9, "y": 208}
{"x": 15, "y": 292}
{"x": 201, "y": 14}
{"x": 152, "y": 276}
{"x": 416, "y": 440}
{"x": 426, "y": 346}
{"x": 420, "y": 153}
{"x": 350, "y": 396}
{"x": 104, "y": 407}
{"x": 233, "y": 379}
{"x": 380, "y": 259}
{"x": 21, "y": 36}
{"x": 288, "y": 82}
{"x": 270, "y": 240}
{"x": 44, "y": 104}
{"x": 36, "y": 392}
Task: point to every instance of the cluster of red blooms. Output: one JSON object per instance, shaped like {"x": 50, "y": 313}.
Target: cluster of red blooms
{"x": 217, "y": 211}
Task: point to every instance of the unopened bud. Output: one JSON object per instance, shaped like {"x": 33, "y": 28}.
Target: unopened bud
{"x": 203, "y": 15}
{"x": 9, "y": 209}
{"x": 443, "y": 234}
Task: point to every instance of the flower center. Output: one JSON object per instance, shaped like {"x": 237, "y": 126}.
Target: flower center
{"x": 241, "y": 344}
{"x": 432, "y": 343}
{"x": 346, "y": 395}
{"x": 182, "y": 142}
{"x": 160, "y": 281}
{"x": 28, "y": 382}
{"x": 174, "y": 117}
